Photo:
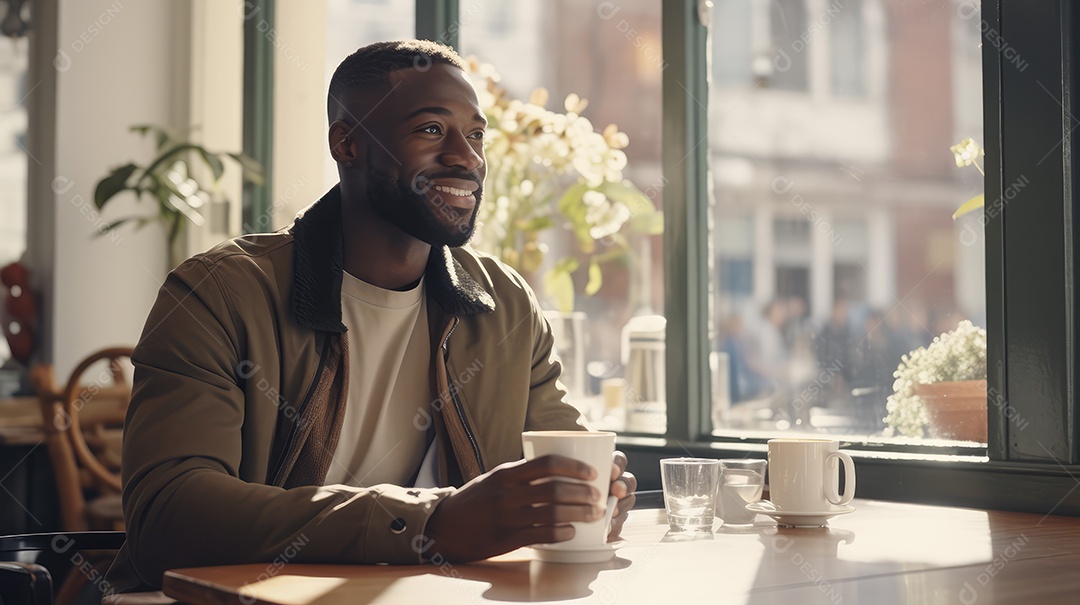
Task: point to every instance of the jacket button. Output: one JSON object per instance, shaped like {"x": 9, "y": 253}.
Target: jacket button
{"x": 413, "y": 493}
{"x": 398, "y": 525}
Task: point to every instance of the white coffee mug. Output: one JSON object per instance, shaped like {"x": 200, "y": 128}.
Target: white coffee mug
{"x": 594, "y": 448}
{"x": 804, "y": 475}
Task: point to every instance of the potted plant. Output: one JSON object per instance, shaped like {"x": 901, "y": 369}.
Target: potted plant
{"x": 549, "y": 170}
{"x": 178, "y": 191}
{"x": 941, "y": 389}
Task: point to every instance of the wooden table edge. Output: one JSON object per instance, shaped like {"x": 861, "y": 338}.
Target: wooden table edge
{"x": 187, "y": 589}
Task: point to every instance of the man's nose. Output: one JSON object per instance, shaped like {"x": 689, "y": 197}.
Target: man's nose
{"x": 461, "y": 152}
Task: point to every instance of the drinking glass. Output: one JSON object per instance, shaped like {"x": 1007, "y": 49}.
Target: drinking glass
{"x": 741, "y": 482}
{"x": 690, "y": 486}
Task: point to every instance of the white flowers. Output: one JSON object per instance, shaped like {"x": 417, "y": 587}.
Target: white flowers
{"x": 545, "y": 169}
{"x": 968, "y": 153}
{"x": 956, "y": 355}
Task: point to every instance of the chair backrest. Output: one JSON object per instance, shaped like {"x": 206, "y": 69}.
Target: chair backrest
{"x": 83, "y": 425}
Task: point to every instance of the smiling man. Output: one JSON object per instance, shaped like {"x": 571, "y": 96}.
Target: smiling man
{"x": 352, "y": 388}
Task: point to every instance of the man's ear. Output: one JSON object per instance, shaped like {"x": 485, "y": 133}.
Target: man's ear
{"x": 342, "y": 146}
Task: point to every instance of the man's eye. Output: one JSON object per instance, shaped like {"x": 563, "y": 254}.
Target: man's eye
{"x": 479, "y": 135}
{"x": 433, "y": 129}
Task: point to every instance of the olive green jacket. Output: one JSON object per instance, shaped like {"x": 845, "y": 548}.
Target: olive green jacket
{"x": 241, "y": 378}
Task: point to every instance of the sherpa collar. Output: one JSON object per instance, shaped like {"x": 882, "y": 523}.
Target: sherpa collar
{"x": 317, "y": 263}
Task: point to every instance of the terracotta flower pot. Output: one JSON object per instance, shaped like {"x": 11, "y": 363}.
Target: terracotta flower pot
{"x": 957, "y": 410}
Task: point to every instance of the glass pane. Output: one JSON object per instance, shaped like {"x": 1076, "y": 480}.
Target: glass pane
{"x": 13, "y": 158}
{"x": 13, "y": 155}
{"x": 836, "y": 253}
{"x": 571, "y": 202}
{"x": 351, "y": 24}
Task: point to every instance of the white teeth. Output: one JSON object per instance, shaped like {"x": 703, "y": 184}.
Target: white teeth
{"x": 453, "y": 191}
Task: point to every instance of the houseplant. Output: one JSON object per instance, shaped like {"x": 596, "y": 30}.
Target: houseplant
{"x": 550, "y": 170}
{"x": 172, "y": 182}
{"x": 941, "y": 388}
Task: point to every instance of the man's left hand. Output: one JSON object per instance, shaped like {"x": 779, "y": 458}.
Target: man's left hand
{"x": 623, "y": 486}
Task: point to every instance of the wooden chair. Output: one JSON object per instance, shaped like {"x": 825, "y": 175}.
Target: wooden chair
{"x": 83, "y": 424}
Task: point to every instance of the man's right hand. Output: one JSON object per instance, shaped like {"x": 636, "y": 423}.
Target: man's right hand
{"x": 511, "y": 506}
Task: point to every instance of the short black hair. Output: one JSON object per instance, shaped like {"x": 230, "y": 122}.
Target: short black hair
{"x": 370, "y": 65}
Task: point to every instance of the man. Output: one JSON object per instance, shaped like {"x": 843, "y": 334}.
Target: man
{"x": 307, "y": 391}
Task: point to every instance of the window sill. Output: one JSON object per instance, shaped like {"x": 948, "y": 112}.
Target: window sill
{"x": 930, "y": 478}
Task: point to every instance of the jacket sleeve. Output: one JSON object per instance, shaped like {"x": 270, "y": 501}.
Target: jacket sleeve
{"x": 184, "y": 501}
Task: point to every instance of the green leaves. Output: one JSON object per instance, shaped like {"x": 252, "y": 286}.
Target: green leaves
{"x": 253, "y": 170}
{"x": 968, "y": 206}
{"x": 171, "y": 181}
{"x": 537, "y": 223}
{"x": 163, "y": 136}
{"x": 572, "y": 207}
{"x": 629, "y": 195}
{"x": 213, "y": 161}
{"x": 112, "y": 184}
{"x": 596, "y": 279}
{"x": 648, "y": 224}
{"x": 559, "y": 285}
{"x": 579, "y": 212}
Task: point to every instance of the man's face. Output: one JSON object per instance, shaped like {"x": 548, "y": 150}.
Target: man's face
{"x": 425, "y": 165}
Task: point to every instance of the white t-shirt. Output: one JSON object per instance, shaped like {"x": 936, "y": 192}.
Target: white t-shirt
{"x": 389, "y": 382}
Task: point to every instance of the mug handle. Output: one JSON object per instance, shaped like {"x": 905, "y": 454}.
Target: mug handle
{"x": 849, "y": 479}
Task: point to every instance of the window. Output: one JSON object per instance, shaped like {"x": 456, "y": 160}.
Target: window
{"x": 351, "y": 24}
{"x": 13, "y": 157}
{"x": 609, "y": 55}
{"x": 733, "y": 45}
{"x": 14, "y": 54}
{"x": 847, "y": 50}
{"x": 858, "y": 260}
{"x": 785, "y": 66}
{"x": 1031, "y": 456}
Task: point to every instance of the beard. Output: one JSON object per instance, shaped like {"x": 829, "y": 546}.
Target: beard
{"x": 408, "y": 208}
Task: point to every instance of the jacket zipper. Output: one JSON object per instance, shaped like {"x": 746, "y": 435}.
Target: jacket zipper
{"x": 300, "y": 411}
{"x": 457, "y": 402}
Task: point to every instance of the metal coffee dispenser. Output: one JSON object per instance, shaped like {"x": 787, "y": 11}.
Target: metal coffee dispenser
{"x": 643, "y": 360}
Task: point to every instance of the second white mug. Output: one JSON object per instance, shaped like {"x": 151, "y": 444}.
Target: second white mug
{"x": 804, "y": 475}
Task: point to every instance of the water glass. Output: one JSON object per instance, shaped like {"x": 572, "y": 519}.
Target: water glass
{"x": 690, "y": 486}
{"x": 741, "y": 482}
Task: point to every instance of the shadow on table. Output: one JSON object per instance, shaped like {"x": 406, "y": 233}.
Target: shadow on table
{"x": 532, "y": 581}
{"x": 804, "y": 560}
{"x": 516, "y": 580}
{"x": 526, "y": 581}
{"x": 687, "y": 536}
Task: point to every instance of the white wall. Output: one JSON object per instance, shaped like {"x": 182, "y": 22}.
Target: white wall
{"x": 118, "y": 72}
